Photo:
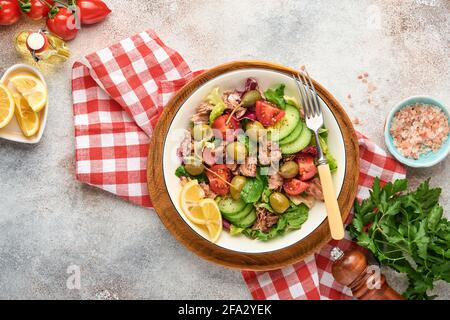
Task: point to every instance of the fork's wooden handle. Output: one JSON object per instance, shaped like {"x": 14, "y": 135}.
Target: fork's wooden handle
{"x": 333, "y": 212}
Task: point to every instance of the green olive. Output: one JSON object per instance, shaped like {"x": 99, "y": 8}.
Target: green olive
{"x": 249, "y": 99}
{"x": 202, "y": 132}
{"x": 237, "y": 151}
{"x": 237, "y": 183}
{"x": 194, "y": 168}
{"x": 255, "y": 130}
{"x": 289, "y": 169}
{"x": 279, "y": 202}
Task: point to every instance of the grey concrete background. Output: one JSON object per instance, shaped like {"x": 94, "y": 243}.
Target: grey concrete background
{"x": 49, "y": 221}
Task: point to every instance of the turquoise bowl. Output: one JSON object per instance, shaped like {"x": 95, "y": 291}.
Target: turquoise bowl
{"x": 426, "y": 160}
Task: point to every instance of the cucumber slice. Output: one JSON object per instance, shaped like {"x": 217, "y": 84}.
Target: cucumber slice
{"x": 248, "y": 220}
{"x": 240, "y": 215}
{"x": 299, "y": 144}
{"x": 288, "y": 123}
{"x": 294, "y": 134}
{"x": 230, "y": 206}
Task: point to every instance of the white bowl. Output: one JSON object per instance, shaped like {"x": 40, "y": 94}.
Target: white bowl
{"x": 181, "y": 121}
{"x": 12, "y": 130}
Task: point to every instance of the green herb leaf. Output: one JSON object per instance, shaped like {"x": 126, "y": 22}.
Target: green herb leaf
{"x": 407, "y": 232}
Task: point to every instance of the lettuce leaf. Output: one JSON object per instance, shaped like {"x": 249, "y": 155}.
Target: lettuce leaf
{"x": 276, "y": 96}
{"x": 323, "y": 137}
{"x": 293, "y": 218}
{"x": 181, "y": 172}
{"x": 234, "y": 231}
{"x": 215, "y": 99}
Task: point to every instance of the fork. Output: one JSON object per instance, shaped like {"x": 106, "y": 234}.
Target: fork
{"x": 314, "y": 121}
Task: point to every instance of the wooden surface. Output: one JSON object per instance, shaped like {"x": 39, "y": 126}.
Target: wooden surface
{"x": 211, "y": 252}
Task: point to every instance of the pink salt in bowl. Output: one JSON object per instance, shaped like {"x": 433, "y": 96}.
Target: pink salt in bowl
{"x": 429, "y": 158}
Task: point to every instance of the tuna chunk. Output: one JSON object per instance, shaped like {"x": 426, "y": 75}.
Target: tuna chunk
{"x": 248, "y": 168}
{"x": 268, "y": 152}
{"x": 202, "y": 113}
{"x": 275, "y": 181}
{"x": 265, "y": 220}
{"x": 208, "y": 192}
{"x": 315, "y": 189}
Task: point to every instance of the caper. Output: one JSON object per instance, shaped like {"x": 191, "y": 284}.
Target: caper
{"x": 237, "y": 151}
{"x": 279, "y": 202}
{"x": 194, "y": 168}
{"x": 249, "y": 99}
{"x": 289, "y": 169}
{"x": 237, "y": 183}
{"x": 255, "y": 130}
{"x": 202, "y": 132}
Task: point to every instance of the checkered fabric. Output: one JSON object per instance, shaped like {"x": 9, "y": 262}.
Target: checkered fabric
{"x": 118, "y": 95}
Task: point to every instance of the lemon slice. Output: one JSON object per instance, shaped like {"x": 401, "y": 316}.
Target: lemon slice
{"x": 28, "y": 119}
{"x": 213, "y": 218}
{"x": 6, "y": 106}
{"x": 191, "y": 194}
{"x": 32, "y": 89}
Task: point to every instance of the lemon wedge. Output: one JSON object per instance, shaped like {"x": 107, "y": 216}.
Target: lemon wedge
{"x": 6, "y": 106}
{"x": 191, "y": 194}
{"x": 203, "y": 212}
{"x": 28, "y": 119}
{"x": 212, "y": 217}
{"x": 32, "y": 89}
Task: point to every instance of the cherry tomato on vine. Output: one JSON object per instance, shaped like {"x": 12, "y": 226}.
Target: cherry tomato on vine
{"x": 62, "y": 23}
{"x": 36, "y": 9}
{"x": 92, "y": 11}
{"x": 9, "y": 12}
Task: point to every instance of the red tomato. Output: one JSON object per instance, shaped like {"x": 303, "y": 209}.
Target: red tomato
{"x": 306, "y": 167}
{"x": 9, "y": 12}
{"x": 221, "y": 125}
{"x": 92, "y": 11}
{"x": 36, "y": 9}
{"x": 295, "y": 187}
{"x": 61, "y": 22}
{"x": 267, "y": 113}
{"x": 218, "y": 185}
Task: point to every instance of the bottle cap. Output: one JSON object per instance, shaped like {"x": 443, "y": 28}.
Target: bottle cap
{"x": 36, "y": 41}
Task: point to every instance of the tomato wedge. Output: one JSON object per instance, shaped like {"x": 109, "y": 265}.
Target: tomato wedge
{"x": 306, "y": 167}
{"x": 221, "y": 124}
{"x": 295, "y": 187}
{"x": 218, "y": 185}
{"x": 267, "y": 113}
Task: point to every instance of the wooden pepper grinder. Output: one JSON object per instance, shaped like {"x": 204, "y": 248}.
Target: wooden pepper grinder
{"x": 366, "y": 282}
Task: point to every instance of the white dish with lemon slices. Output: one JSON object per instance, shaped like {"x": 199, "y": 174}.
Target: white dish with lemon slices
{"x": 25, "y": 86}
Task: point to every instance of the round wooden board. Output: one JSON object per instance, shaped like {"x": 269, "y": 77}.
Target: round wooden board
{"x": 225, "y": 257}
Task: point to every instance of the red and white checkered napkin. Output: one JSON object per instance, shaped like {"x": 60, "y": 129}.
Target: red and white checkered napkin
{"x": 118, "y": 95}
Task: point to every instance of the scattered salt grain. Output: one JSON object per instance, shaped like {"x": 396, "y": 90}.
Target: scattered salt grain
{"x": 356, "y": 121}
{"x": 419, "y": 129}
{"x": 371, "y": 87}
